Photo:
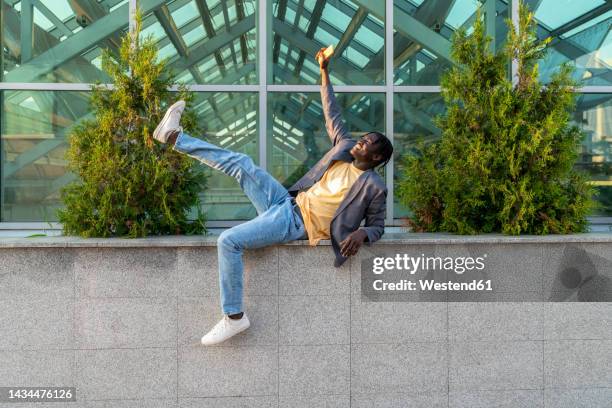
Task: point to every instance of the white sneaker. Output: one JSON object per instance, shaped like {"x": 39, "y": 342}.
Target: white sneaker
{"x": 170, "y": 122}
{"x": 225, "y": 329}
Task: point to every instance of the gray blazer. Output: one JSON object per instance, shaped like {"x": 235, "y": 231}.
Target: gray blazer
{"x": 367, "y": 196}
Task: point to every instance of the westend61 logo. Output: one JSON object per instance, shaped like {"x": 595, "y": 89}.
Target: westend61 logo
{"x": 402, "y": 276}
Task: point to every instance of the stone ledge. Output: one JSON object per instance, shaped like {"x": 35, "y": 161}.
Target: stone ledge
{"x": 387, "y": 239}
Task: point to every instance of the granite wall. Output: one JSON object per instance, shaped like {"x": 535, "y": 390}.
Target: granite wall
{"x": 122, "y": 324}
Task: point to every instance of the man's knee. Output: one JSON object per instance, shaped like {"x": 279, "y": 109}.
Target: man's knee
{"x": 227, "y": 240}
{"x": 238, "y": 164}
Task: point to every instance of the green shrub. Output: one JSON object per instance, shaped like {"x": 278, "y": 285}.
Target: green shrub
{"x": 506, "y": 156}
{"x": 130, "y": 185}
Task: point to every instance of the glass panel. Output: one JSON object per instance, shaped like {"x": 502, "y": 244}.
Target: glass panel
{"x": 60, "y": 40}
{"x": 207, "y": 42}
{"x": 228, "y": 120}
{"x": 423, "y": 31}
{"x": 354, "y": 28}
{"x": 581, "y": 34}
{"x": 412, "y": 119}
{"x": 413, "y": 116}
{"x": 34, "y": 128}
{"x": 297, "y": 138}
{"x": 593, "y": 115}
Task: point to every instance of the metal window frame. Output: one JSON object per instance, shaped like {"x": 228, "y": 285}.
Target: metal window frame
{"x": 265, "y": 87}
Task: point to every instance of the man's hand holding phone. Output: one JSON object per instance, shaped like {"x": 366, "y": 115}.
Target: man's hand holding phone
{"x": 323, "y": 56}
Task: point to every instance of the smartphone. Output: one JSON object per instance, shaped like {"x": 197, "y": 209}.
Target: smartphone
{"x": 329, "y": 51}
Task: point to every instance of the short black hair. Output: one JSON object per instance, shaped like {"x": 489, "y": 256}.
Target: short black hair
{"x": 385, "y": 148}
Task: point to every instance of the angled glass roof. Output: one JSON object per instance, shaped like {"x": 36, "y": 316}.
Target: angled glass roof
{"x": 301, "y": 28}
{"x": 50, "y": 58}
{"x": 184, "y": 29}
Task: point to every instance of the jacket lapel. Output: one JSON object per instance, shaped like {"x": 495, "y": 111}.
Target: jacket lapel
{"x": 352, "y": 192}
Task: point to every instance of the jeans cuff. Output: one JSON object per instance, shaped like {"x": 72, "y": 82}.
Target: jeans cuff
{"x": 178, "y": 140}
{"x": 234, "y": 309}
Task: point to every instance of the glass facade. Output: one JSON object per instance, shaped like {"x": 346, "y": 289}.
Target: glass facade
{"x": 422, "y": 33}
{"x": 581, "y": 35}
{"x": 413, "y": 115}
{"x": 32, "y": 143}
{"x": 229, "y": 120}
{"x": 593, "y": 113}
{"x": 60, "y": 40}
{"x": 251, "y": 64}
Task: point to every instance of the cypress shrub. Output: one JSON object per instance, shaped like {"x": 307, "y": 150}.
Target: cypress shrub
{"x": 128, "y": 184}
{"x": 505, "y": 161}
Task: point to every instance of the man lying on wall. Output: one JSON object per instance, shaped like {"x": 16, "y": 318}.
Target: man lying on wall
{"x": 329, "y": 202}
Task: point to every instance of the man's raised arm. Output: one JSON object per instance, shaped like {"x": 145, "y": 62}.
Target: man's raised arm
{"x": 333, "y": 118}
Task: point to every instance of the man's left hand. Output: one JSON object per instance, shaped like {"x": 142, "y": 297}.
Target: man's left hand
{"x": 351, "y": 244}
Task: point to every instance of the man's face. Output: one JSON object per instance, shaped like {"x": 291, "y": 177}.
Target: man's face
{"x": 366, "y": 148}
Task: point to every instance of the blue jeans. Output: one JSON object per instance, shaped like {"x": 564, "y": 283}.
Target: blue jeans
{"x": 276, "y": 221}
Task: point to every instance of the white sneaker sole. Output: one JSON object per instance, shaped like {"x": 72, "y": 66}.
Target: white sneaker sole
{"x": 166, "y": 117}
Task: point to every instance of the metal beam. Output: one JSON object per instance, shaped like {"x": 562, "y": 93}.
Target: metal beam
{"x": 282, "y": 10}
{"x": 228, "y": 28}
{"x": 490, "y": 17}
{"x": 315, "y": 18}
{"x": 27, "y": 30}
{"x": 167, "y": 22}
{"x": 164, "y": 17}
{"x": 298, "y": 13}
{"x": 244, "y": 51}
{"x": 351, "y": 30}
{"x": 92, "y": 10}
{"x": 431, "y": 12}
{"x": 95, "y": 11}
{"x": 206, "y": 17}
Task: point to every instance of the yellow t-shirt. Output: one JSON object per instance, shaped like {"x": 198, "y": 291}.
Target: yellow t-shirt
{"x": 319, "y": 203}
